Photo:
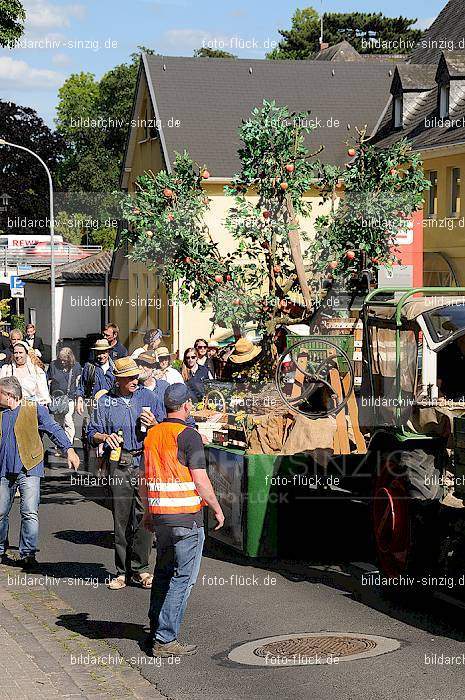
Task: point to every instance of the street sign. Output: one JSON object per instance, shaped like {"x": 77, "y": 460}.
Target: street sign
{"x": 16, "y": 287}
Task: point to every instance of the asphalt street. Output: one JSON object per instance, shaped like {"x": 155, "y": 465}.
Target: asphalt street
{"x": 237, "y": 601}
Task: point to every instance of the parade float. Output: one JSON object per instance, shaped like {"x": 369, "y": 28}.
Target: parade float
{"x": 345, "y": 373}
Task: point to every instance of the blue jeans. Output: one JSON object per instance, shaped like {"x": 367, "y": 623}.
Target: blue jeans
{"x": 29, "y": 492}
{"x": 179, "y": 553}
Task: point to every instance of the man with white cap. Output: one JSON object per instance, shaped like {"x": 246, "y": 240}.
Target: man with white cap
{"x": 118, "y": 423}
{"x": 168, "y": 373}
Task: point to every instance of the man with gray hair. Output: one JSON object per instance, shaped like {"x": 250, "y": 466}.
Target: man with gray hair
{"x": 22, "y": 423}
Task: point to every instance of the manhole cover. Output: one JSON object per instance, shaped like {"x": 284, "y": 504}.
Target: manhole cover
{"x": 315, "y": 648}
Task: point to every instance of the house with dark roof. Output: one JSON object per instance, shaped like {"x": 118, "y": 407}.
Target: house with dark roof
{"x": 426, "y": 105}
{"x": 198, "y": 105}
{"x": 82, "y": 305}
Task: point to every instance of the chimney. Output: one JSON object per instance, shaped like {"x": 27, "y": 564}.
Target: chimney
{"x": 323, "y": 45}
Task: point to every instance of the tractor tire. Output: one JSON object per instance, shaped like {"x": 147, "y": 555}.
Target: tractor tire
{"x": 406, "y": 501}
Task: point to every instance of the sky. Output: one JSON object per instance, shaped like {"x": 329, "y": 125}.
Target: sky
{"x": 64, "y": 37}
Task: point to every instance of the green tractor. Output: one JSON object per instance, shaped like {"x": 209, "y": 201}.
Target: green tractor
{"x": 400, "y": 378}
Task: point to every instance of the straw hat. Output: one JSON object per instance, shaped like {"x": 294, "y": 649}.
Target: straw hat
{"x": 147, "y": 358}
{"x": 244, "y": 351}
{"x": 162, "y": 352}
{"x": 101, "y": 344}
{"x": 126, "y": 367}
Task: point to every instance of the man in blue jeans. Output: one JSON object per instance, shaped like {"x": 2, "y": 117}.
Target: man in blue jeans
{"x": 22, "y": 464}
{"x": 174, "y": 488}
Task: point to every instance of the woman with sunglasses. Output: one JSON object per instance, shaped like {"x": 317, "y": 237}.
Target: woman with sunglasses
{"x": 203, "y": 359}
{"x": 194, "y": 374}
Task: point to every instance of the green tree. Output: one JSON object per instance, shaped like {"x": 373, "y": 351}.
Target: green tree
{"x": 93, "y": 117}
{"x": 381, "y": 189}
{"x": 21, "y": 176}
{"x": 367, "y": 32}
{"x": 12, "y": 16}
{"x": 168, "y": 231}
{"x": 205, "y": 52}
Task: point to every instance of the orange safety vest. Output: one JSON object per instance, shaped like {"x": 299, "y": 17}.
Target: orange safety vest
{"x": 170, "y": 488}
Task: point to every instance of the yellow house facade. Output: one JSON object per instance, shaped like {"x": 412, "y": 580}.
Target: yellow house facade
{"x": 444, "y": 217}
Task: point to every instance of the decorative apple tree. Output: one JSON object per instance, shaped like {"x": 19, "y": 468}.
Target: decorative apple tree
{"x": 379, "y": 189}
{"x": 167, "y": 228}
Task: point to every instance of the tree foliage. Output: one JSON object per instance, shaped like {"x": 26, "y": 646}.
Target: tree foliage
{"x": 302, "y": 40}
{"x": 21, "y": 175}
{"x": 381, "y": 189}
{"x": 206, "y": 52}
{"x": 12, "y": 16}
{"x": 93, "y": 117}
{"x": 168, "y": 232}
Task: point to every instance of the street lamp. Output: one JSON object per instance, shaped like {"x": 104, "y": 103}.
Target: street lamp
{"x": 52, "y": 241}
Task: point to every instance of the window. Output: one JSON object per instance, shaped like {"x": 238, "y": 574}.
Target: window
{"x": 455, "y": 192}
{"x": 432, "y": 196}
{"x": 398, "y": 111}
{"x": 444, "y": 96}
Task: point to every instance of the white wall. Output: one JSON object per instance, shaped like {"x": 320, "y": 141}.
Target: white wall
{"x": 77, "y": 309}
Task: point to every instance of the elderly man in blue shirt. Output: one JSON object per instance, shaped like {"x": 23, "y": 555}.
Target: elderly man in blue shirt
{"x": 131, "y": 409}
{"x": 22, "y": 463}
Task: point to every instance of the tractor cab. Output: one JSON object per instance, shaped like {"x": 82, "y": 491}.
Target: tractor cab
{"x": 414, "y": 360}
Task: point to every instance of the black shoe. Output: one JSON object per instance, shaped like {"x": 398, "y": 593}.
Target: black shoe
{"x": 10, "y": 559}
{"x": 173, "y": 648}
{"x": 29, "y": 563}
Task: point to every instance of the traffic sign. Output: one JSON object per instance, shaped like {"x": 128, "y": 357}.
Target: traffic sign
{"x": 16, "y": 287}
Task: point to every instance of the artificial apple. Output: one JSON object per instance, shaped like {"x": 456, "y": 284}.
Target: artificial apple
{"x": 350, "y": 254}
{"x": 351, "y": 152}
{"x": 266, "y": 214}
{"x": 333, "y": 264}
{"x": 290, "y": 167}
{"x": 284, "y": 185}
{"x": 205, "y": 174}
{"x": 218, "y": 278}
{"x": 167, "y": 192}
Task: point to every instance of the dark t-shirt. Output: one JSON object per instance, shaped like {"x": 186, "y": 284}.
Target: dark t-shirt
{"x": 191, "y": 453}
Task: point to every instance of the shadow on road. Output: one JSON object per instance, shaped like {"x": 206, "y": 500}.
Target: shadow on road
{"x": 97, "y": 538}
{"x": 103, "y": 629}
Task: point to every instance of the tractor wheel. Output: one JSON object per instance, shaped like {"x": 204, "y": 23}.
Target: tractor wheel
{"x": 406, "y": 498}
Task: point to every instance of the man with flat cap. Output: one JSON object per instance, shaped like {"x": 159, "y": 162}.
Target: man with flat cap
{"x": 119, "y": 422}
{"x": 174, "y": 489}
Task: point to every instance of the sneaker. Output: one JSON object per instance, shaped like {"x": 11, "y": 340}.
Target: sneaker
{"x": 173, "y": 648}
{"x": 29, "y": 562}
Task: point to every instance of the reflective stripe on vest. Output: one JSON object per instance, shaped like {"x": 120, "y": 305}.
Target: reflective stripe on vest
{"x": 170, "y": 488}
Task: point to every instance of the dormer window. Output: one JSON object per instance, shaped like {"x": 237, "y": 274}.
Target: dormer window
{"x": 444, "y": 99}
{"x": 398, "y": 111}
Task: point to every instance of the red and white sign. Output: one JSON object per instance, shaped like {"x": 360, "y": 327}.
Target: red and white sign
{"x": 409, "y": 246}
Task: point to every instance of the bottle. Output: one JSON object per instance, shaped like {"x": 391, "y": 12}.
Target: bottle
{"x": 115, "y": 455}
{"x": 143, "y": 428}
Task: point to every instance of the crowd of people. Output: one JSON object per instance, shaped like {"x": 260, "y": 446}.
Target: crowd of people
{"x": 136, "y": 417}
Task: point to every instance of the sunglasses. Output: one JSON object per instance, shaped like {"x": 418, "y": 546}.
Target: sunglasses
{"x": 201, "y": 347}
{"x": 191, "y": 357}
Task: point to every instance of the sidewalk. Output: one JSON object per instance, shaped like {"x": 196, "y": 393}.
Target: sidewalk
{"x": 41, "y": 659}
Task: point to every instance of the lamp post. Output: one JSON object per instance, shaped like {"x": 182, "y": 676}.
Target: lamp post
{"x": 52, "y": 241}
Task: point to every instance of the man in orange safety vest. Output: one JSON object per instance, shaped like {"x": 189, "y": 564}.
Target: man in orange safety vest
{"x": 174, "y": 488}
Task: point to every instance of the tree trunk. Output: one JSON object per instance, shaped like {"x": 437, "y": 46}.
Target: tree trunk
{"x": 296, "y": 252}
